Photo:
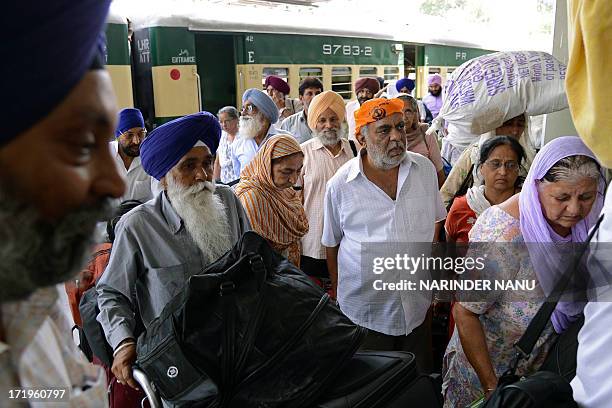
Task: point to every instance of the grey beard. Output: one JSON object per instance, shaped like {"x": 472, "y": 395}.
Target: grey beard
{"x": 36, "y": 253}
{"x": 382, "y": 161}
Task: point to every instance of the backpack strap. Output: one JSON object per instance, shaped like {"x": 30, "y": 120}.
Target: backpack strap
{"x": 353, "y": 147}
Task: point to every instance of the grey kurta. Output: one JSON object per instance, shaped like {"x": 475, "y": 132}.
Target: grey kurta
{"x": 152, "y": 247}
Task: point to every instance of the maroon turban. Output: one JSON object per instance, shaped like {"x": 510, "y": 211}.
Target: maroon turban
{"x": 370, "y": 83}
{"x": 277, "y": 83}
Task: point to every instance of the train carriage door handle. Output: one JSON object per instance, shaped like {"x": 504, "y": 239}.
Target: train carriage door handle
{"x": 241, "y": 90}
{"x": 198, "y": 84}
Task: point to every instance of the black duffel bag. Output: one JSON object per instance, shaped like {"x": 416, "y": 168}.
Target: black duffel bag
{"x": 382, "y": 379}
{"x": 252, "y": 330}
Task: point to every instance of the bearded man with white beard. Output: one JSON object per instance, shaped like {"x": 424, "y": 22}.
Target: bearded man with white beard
{"x": 382, "y": 197}
{"x": 324, "y": 154}
{"x": 256, "y": 126}
{"x": 161, "y": 243}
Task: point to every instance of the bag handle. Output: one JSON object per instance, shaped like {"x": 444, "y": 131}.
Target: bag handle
{"x": 353, "y": 147}
{"x": 227, "y": 293}
{"x": 528, "y": 340}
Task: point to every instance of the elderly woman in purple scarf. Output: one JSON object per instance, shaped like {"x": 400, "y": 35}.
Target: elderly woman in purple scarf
{"x": 560, "y": 201}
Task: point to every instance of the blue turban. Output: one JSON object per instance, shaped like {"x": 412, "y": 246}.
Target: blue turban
{"x": 404, "y": 83}
{"x": 167, "y": 144}
{"x": 47, "y": 48}
{"x": 129, "y": 118}
{"x": 263, "y": 102}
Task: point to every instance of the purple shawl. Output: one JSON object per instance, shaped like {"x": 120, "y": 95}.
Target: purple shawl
{"x": 535, "y": 228}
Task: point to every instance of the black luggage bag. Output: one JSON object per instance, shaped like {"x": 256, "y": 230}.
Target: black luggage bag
{"x": 383, "y": 379}
{"x": 251, "y": 331}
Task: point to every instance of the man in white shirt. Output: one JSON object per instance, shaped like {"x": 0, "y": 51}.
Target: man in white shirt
{"x": 130, "y": 133}
{"x": 385, "y": 195}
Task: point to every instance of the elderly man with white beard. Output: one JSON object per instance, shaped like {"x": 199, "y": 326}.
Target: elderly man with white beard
{"x": 384, "y": 197}
{"x": 324, "y": 154}
{"x": 259, "y": 113}
{"x": 161, "y": 243}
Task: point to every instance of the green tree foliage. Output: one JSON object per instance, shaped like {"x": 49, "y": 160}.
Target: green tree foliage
{"x": 441, "y": 7}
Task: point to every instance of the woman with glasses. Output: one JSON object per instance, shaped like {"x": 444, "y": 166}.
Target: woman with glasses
{"x": 224, "y": 169}
{"x": 499, "y": 163}
{"x": 559, "y": 203}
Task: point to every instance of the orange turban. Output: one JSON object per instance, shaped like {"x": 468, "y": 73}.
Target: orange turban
{"x": 375, "y": 110}
{"x": 320, "y": 103}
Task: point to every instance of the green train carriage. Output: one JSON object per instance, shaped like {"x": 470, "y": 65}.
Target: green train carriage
{"x": 183, "y": 65}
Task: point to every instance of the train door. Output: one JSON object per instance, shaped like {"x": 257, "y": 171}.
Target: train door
{"x": 166, "y": 73}
{"x": 217, "y": 70}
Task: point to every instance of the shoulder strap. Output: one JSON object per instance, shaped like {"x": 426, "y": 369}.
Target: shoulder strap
{"x": 424, "y": 137}
{"x": 233, "y": 182}
{"x": 528, "y": 340}
{"x": 353, "y": 148}
{"x": 468, "y": 181}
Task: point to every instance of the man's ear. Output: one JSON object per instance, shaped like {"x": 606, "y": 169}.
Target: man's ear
{"x": 361, "y": 139}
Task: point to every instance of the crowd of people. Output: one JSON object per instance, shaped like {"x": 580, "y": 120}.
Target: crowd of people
{"x": 317, "y": 177}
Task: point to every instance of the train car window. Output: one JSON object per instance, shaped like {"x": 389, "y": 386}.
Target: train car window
{"x": 368, "y": 72}
{"x": 279, "y": 72}
{"x": 316, "y": 72}
{"x": 341, "y": 81}
{"x": 391, "y": 73}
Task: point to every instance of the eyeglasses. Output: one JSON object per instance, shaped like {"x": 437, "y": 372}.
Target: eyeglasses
{"x": 249, "y": 109}
{"x": 226, "y": 121}
{"x": 497, "y": 164}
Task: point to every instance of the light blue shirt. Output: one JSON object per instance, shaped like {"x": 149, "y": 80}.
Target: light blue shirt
{"x": 243, "y": 150}
{"x": 297, "y": 125}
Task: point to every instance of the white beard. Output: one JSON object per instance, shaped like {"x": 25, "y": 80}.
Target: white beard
{"x": 250, "y": 127}
{"x": 203, "y": 214}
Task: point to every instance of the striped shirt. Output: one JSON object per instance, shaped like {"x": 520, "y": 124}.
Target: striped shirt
{"x": 319, "y": 166}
